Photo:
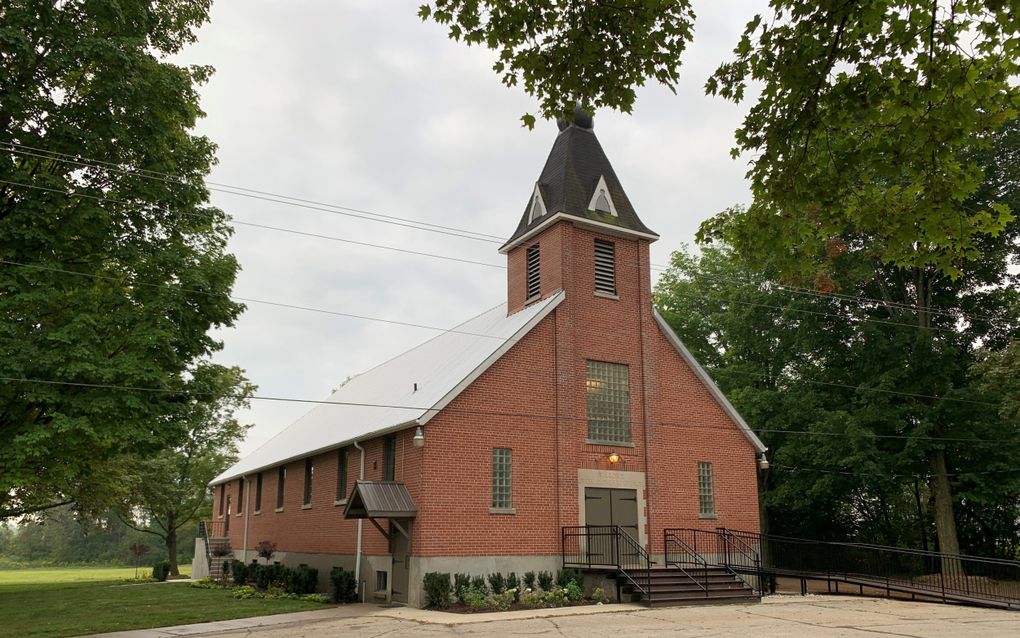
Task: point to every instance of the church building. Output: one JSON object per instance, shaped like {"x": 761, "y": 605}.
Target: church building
{"x": 570, "y": 406}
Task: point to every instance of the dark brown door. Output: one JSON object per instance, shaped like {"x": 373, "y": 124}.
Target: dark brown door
{"x": 605, "y": 508}
{"x": 400, "y": 547}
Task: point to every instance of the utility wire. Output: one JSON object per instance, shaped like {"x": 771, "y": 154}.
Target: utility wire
{"x": 78, "y": 160}
{"x": 892, "y": 475}
{"x": 450, "y": 410}
{"x": 703, "y": 294}
{"x": 231, "y": 220}
{"x": 451, "y": 330}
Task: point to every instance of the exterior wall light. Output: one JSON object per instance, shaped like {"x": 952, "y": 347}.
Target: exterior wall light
{"x": 763, "y": 463}
{"x": 419, "y": 438}
{"x": 614, "y": 458}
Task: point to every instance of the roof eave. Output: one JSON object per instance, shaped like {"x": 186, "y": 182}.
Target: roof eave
{"x": 707, "y": 381}
{"x": 580, "y": 221}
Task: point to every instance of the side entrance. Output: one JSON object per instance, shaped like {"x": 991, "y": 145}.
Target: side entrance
{"x": 604, "y": 506}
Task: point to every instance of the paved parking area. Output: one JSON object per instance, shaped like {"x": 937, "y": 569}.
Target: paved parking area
{"x": 775, "y": 616}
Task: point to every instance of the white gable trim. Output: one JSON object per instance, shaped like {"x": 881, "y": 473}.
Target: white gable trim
{"x": 477, "y": 372}
{"x": 601, "y": 187}
{"x": 707, "y": 381}
{"x": 536, "y": 198}
{"x": 609, "y": 229}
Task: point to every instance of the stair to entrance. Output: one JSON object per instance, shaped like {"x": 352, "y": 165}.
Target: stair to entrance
{"x": 669, "y": 586}
{"x": 219, "y": 552}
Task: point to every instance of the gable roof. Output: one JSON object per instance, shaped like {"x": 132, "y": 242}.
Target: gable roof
{"x": 575, "y": 165}
{"x": 386, "y": 398}
{"x": 380, "y": 499}
{"x": 707, "y": 381}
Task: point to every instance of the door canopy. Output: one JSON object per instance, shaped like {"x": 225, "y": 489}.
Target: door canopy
{"x": 380, "y": 499}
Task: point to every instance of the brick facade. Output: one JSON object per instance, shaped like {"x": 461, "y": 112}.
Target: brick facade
{"x": 533, "y": 401}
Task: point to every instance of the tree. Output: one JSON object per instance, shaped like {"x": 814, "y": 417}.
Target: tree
{"x": 169, "y": 489}
{"x": 594, "y": 53}
{"x": 107, "y": 276}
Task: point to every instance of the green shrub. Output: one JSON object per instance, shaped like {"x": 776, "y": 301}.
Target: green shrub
{"x": 460, "y": 582}
{"x": 545, "y": 580}
{"x": 565, "y": 576}
{"x": 206, "y": 583}
{"x": 437, "y": 590}
{"x": 238, "y": 572}
{"x": 316, "y": 598}
{"x": 556, "y": 597}
{"x": 531, "y": 599}
{"x": 529, "y": 580}
{"x": 300, "y": 581}
{"x": 478, "y": 582}
{"x": 514, "y": 584}
{"x": 574, "y": 591}
{"x": 599, "y": 596}
{"x": 497, "y": 583}
{"x": 161, "y": 570}
{"x": 501, "y": 601}
{"x": 246, "y": 592}
{"x": 475, "y": 596}
{"x": 343, "y": 585}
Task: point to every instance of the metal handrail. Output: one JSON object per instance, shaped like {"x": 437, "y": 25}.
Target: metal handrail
{"x": 595, "y": 546}
{"x": 751, "y": 557}
{"x": 687, "y": 555}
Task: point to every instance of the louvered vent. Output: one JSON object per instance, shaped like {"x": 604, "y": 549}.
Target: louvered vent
{"x": 605, "y": 266}
{"x": 534, "y": 272}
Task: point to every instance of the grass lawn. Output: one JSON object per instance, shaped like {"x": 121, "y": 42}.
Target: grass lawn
{"x": 36, "y": 603}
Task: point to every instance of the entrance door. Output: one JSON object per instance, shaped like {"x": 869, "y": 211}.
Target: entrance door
{"x": 605, "y": 507}
{"x": 226, "y": 523}
{"x": 400, "y": 548}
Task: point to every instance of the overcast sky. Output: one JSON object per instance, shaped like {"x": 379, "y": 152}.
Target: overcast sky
{"x": 360, "y": 104}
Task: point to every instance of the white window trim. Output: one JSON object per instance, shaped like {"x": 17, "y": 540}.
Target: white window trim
{"x": 541, "y": 205}
{"x": 601, "y": 186}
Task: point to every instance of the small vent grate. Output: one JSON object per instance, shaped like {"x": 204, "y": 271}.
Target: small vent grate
{"x": 534, "y": 272}
{"x": 605, "y": 266}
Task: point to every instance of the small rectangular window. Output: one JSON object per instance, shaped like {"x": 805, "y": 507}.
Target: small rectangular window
{"x": 258, "y": 492}
{"x": 534, "y": 272}
{"x": 309, "y": 472}
{"x": 605, "y": 266}
{"x": 380, "y": 581}
{"x": 389, "y": 458}
{"x": 281, "y": 478}
{"x": 240, "y": 495}
{"x": 223, "y": 497}
{"x": 608, "y": 390}
{"x": 341, "y": 474}
{"x": 501, "y": 478}
{"x": 705, "y": 491}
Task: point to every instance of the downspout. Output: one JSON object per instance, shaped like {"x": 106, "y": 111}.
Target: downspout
{"x": 357, "y": 555}
{"x": 247, "y": 511}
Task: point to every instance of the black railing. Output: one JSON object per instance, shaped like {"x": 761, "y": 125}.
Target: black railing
{"x": 720, "y": 548}
{"x": 681, "y": 554}
{"x": 608, "y": 547}
{"x": 946, "y": 577}
{"x": 212, "y": 529}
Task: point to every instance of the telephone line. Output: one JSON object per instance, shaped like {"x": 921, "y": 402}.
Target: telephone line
{"x": 481, "y": 412}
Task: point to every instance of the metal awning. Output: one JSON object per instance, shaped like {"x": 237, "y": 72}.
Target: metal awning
{"x": 381, "y": 499}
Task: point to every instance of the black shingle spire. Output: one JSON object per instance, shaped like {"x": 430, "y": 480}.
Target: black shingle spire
{"x": 570, "y": 178}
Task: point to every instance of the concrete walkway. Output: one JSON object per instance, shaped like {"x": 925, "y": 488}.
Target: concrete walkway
{"x": 777, "y": 616}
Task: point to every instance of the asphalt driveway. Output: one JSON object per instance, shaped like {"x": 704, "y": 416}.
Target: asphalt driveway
{"x": 775, "y": 616}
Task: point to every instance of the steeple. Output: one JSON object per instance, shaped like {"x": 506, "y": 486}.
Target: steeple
{"x": 578, "y": 183}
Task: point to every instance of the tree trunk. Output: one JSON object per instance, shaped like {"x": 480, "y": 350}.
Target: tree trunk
{"x": 945, "y": 523}
{"x": 171, "y": 544}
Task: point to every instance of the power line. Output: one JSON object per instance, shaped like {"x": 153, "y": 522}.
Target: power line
{"x": 892, "y": 475}
{"x": 248, "y": 299}
{"x": 230, "y": 219}
{"x": 283, "y": 199}
{"x": 486, "y": 412}
{"x": 703, "y": 294}
{"x": 78, "y": 160}
{"x": 427, "y": 327}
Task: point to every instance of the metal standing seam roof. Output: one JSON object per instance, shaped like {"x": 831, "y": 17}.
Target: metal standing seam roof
{"x": 385, "y": 398}
{"x": 380, "y": 499}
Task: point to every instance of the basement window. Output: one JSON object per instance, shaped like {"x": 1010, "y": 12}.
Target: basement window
{"x": 605, "y": 267}
{"x": 608, "y": 390}
{"x": 534, "y": 272}
{"x": 381, "y": 581}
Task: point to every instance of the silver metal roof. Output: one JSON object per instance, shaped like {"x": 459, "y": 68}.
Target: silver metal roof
{"x": 405, "y": 391}
{"x": 380, "y": 499}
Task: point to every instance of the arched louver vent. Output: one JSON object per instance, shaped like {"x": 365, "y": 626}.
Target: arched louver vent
{"x": 534, "y": 272}
{"x": 605, "y": 266}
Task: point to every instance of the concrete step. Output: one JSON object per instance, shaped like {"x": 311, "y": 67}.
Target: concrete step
{"x": 676, "y": 601}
